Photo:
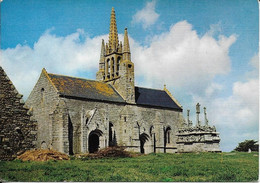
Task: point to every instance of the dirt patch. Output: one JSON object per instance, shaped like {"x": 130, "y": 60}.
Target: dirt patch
{"x": 42, "y": 155}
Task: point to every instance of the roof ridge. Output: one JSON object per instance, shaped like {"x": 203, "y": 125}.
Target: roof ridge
{"x": 150, "y": 88}
{"x": 172, "y": 97}
{"x": 76, "y": 77}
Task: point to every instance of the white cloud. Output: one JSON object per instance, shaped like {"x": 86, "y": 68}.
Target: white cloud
{"x": 64, "y": 55}
{"x": 182, "y": 59}
{"x": 214, "y": 29}
{"x": 239, "y": 112}
{"x": 147, "y": 16}
{"x": 213, "y": 89}
{"x": 239, "y": 109}
{"x": 255, "y": 61}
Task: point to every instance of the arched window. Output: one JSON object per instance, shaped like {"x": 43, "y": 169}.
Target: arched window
{"x": 168, "y": 135}
{"x": 151, "y": 130}
{"x": 110, "y": 135}
{"x": 42, "y": 94}
{"x": 117, "y": 65}
{"x": 108, "y": 68}
{"x": 112, "y": 66}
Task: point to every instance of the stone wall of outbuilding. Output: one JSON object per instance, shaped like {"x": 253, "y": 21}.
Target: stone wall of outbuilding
{"x": 17, "y": 130}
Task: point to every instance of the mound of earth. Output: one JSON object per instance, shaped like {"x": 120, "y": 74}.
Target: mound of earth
{"x": 109, "y": 152}
{"x": 113, "y": 152}
{"x": 42, "y": 155}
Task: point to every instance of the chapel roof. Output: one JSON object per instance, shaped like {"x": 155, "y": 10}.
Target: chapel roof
{"x": 83, "y": 88}
{"x": 155, "y": 97}
{"x": 80, "y": 88}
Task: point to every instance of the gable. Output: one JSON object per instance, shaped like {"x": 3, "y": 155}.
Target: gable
{"x": 156, "y": 98}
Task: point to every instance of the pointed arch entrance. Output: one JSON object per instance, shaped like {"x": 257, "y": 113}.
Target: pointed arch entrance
{"x": 167, "y": 137}
{"x": 93, "y": 140}
{"x": 143, "y": 138}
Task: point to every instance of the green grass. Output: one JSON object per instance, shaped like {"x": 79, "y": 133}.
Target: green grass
{"x": 152, "y": 167}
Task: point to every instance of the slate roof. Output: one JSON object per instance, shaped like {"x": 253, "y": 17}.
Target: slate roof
{"x": 90, "y": 89}
{"x": 83, "y": 88}
{"x": 153, "y": 97}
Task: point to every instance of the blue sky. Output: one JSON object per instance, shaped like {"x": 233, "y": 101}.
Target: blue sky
{"x": 205, "y": 51}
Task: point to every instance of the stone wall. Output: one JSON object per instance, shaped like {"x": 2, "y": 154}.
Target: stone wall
{"x": 198, "y": 139}
{"x": 43, "y": 100}
{"x": 129, "y": 122}
{"x": 17, "y": 131}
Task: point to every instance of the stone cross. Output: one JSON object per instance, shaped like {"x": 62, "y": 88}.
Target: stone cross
{"x": 198, "y": 113}
{"x": 188, "y": 115}
{"x": 188, "y": 118}
{"x": 205, "y": 114}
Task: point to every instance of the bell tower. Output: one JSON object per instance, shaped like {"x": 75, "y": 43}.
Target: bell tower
{"x": 111, "y": 54}
{"x": 115, "y": 65}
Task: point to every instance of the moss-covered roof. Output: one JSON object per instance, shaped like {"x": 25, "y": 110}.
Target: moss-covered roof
{"x": 83, "y": 88}
{"x": 80, "y": 88}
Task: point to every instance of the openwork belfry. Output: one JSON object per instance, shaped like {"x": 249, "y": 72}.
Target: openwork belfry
{"x": 77, "y": 115}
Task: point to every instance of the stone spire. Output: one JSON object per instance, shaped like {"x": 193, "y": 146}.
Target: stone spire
{"x": 126, "y": 48}
{"x": 113, "y": 36}
{"x": 101, "y": 71}
{"x": 188, "y": 118}
{"x": 102, "y": 55}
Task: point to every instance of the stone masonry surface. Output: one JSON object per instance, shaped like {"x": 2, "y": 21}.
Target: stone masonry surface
{"x": 17, "y": 130}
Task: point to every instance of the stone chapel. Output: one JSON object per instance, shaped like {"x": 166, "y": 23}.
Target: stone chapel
{"x": 77, "y": 115}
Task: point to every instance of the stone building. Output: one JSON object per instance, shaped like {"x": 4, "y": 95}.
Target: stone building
{"x": 77, "y": 115}
{"x": 17, "y": 131}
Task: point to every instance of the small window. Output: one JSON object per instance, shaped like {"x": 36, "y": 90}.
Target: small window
{"x": 125, "y": 119}
{"x": 1, "y": 139}
{"x": 42, "y": 94}
{"x": 18, "y": 130}
{"x": 129, "y": 66}
{"x": 169, "y": 141}
{"x": 87, "y": 121}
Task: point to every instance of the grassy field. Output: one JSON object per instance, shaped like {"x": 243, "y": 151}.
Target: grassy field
{"x": 152, "y": 167}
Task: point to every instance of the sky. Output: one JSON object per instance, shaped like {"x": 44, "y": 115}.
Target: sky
{"x": 204, "y": 51}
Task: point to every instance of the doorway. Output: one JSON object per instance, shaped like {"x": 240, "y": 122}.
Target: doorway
{"x": 143, "y": 138}
{"x": 94, "y": 141}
